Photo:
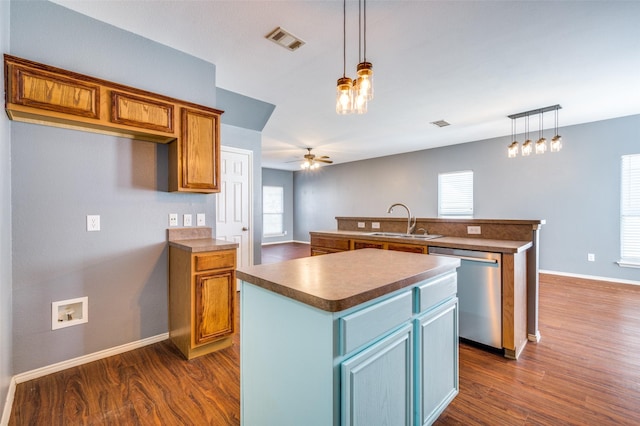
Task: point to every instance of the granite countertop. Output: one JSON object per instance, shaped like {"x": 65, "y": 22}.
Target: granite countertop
{"x": 197, "y": 240}
{"x": 481, "y": 244}
{"x": 338, "y": 281}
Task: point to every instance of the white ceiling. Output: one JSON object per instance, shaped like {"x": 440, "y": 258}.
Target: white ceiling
{"x": 471, "y": 63}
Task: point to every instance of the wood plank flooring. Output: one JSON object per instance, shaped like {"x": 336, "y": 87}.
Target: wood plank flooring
{"x": 584, "y": 371}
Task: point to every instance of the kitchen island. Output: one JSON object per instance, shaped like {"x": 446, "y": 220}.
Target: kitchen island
{"x": 360, "y": 337}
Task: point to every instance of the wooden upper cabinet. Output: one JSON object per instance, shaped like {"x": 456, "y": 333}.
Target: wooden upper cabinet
{"x": 42, "y": 94}
{"x": 37, "y": 88}
{"x": 194, "y": 154}
{"x": 141, "y": 112}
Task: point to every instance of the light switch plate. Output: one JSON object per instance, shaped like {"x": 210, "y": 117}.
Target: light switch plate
{"x": 173, "y": 219}
{"x": 187, "y": 220}
{"x": 375, "y": 225}
{"x": 361, "y": 225}
{"x": 200, "y": 219}
{"x": 93, "y": 222}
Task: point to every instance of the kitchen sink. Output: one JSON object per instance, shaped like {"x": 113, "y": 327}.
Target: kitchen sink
{"x": 401, "y": 235}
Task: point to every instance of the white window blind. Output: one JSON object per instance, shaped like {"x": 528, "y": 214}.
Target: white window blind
{"x": 272, "y": 211}
{"x": 630, "y": 211}
{"x": 455, "y": 194}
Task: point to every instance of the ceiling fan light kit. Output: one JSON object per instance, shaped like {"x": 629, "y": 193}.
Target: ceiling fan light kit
{"x": 352, "y": 95}
{"x": 541, "y": 145}
{"x": 311, "y": 162}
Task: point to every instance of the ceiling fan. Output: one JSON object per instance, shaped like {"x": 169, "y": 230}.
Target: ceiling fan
{"x": 311, "y": 161}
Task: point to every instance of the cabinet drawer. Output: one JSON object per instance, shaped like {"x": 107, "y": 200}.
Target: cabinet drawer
{"x": 215, "y": 260}
{"x": 433, "y": 292}
{"x": 330, "y": 243}
{"x": 364, "y": 326}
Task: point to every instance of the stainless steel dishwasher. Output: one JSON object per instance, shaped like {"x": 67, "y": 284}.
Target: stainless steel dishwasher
{"x": 479, "y": 294}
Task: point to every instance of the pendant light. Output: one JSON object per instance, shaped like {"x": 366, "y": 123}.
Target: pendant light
{"x": 556, "y": 141}
{"x": 541, "y": 144}
{"x": 513, "y": 149}
{"x": 344, "y": 88}
{"x": 527, "y": 146}
{"x": 364, "y": 70}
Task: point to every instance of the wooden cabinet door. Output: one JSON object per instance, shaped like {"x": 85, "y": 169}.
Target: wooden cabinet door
{"x": 377, "y": 385}
{"x": 214, "y": 306}
{"x": 437, "y": 374}
{"x": 200, "y": 150}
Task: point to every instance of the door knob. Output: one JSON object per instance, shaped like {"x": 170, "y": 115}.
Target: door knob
{"x": 244, "y": 228}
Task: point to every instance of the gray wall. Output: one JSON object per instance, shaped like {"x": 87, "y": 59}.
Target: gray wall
{"x": 577, "y": 191}
{"x": 272, "y": 177}
{"x": 59, "y": 176}
{"x": 5, "y": 228}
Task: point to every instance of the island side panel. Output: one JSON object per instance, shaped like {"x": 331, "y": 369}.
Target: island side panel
{"x": 514, "y": 306}
{"x": 286, "y": 361}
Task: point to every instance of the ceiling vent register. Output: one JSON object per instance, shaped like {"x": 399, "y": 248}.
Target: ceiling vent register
{"x": 285, "y": 39}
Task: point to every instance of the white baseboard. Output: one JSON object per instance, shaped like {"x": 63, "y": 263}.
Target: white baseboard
{"x": 590, "y": 277}
{"x": 74, "y": 362}
{"x": 8, "y": 403}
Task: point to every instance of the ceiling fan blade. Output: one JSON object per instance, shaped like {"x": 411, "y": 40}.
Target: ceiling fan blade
{"x": 321, "y": 160}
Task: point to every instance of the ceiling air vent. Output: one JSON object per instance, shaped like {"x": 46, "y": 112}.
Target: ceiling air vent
{"x": 440, "y": 123}
{"x": 285, "y": 39}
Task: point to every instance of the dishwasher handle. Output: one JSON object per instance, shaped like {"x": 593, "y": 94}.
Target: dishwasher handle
{"x": 469, "y": 258}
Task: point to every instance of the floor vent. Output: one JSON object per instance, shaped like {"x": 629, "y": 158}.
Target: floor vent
{"x": 285, "y": 39}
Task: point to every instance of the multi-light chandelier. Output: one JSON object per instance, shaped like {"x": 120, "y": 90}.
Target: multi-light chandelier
{"x": 528, "y": 146}
{"x": 352, "y": 95}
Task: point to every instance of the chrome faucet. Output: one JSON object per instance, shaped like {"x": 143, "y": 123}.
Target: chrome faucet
{"x": 411, "y": 221}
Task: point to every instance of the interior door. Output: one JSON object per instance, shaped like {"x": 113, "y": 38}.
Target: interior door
{"x": 233, "y": 203}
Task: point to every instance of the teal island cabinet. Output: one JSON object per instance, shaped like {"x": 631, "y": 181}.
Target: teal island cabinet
{"x": 364, "y": 337}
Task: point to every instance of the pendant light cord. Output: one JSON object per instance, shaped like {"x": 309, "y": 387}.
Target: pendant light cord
{"x": 344, "y": 38}
{"x": 364, "y": 56}
{"x": 359, "y": 30}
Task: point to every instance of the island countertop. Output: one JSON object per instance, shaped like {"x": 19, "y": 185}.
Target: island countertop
{"x": 339, "y": 281}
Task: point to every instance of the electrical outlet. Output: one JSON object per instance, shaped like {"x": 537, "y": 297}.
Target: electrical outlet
{"x": 475, "y": 230}
{"x": 375, "y": 225}
{"x": 200, "y": 219}
{"x": 93, "y": 222}
{"x": 186, "y": 220}
{"x": 361, "y": 225}
{"x": 173, "y": 219}
{"x": 591, "y": 257}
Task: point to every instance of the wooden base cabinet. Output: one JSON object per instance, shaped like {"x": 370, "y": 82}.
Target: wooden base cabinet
{"x": 390, "y": 361}
{"x": 201, "y": 300}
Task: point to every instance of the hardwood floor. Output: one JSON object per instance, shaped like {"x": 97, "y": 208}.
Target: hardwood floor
{"x": 584, "y": 371}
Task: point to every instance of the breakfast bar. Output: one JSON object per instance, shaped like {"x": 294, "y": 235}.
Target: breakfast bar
{"x": 359, "y": 337}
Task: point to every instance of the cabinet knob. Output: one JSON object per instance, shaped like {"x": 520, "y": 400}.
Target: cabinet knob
{"x": 244, "y": 228}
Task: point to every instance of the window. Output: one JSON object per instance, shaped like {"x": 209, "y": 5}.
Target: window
{"x": 455, "y": 194}
{"x": 272, "y": 211}
{"x": 630, "y": 212}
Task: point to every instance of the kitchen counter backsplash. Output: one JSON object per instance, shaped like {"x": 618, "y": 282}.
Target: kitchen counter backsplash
{"x": 498, "y": 229}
